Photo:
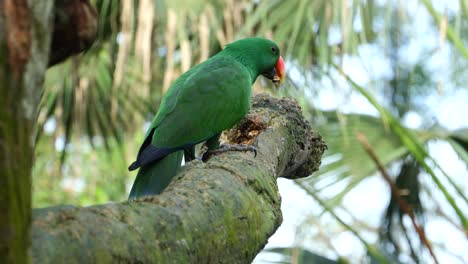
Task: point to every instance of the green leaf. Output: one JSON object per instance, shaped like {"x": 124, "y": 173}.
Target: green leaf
{"x": 461, "y": 137}
{"x": 460, "y": 150}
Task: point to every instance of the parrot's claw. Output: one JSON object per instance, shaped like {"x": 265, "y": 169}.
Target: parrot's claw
{"x": 226, "y": 147}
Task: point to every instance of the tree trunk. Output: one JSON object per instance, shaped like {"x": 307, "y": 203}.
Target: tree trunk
{"x": 221, "y": 211}
{"x": 30, "y": 40}
{"x": 25, "y": 35}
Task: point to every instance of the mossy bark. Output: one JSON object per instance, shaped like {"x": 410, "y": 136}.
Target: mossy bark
{"x": 25, "y": 34}
{"x": 220, "y": 211}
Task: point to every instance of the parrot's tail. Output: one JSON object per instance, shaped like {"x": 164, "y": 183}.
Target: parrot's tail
{"x": 154, "y": 178}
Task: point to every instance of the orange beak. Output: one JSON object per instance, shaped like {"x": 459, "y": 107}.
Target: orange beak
{"x": 280, "y": 72}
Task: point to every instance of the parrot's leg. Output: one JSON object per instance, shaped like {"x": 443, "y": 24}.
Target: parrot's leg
{"x": 213, "y": 142}
{"x": 214, "y": 148}
{"x": 210, "y": 145}
{"x": 239, "y": 147}
{"x": 189, "y": 154}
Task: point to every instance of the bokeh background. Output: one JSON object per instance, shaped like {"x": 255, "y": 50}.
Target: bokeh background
{"x": 394, "y": 72}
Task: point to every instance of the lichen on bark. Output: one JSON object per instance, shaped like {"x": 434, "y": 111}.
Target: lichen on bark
{"x": 219, "y": 211}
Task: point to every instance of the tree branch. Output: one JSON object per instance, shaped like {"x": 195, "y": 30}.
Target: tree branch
{"x": 221, "y": 211}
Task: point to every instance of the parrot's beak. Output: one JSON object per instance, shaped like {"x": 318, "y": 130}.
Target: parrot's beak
{"x": 280, "y": 72}
{"x": 276, "y": 75}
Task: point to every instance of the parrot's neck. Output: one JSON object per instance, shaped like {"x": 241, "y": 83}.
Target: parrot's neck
{"x": 246, "y": 60}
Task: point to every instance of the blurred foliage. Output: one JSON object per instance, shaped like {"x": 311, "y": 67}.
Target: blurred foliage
{"x": 300, "y": 255}
{"x": 96, "y": 106}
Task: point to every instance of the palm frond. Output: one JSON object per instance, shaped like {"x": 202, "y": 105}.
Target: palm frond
{"x": 345, "y": 160}
{"x": 415, "y": 147}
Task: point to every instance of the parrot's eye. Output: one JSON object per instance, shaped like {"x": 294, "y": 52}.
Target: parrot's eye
{"x": 273, "y": 49}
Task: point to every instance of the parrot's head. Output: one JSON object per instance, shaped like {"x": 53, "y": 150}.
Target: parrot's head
{"x": 262, "y": 55}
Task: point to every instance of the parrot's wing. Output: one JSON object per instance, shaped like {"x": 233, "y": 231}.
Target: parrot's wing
{"x": 213, "y": 98}
{"x": 148, "y": 153}
{"x": 208, "y": 99}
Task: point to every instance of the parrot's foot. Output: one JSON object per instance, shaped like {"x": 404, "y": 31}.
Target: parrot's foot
{"x": 226, "y": 147}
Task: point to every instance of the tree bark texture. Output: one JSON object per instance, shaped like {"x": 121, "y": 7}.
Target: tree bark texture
{"x": 219, "y": 211}
{"x": 25, "y": 35}
{"x": 30, "y": 32}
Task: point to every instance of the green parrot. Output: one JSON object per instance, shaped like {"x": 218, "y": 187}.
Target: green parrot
{"x": 211, "y": 97}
